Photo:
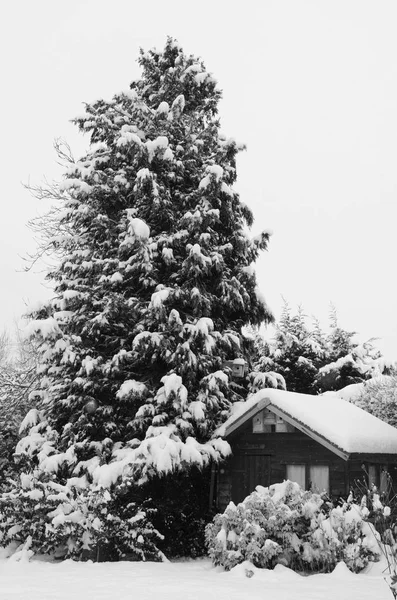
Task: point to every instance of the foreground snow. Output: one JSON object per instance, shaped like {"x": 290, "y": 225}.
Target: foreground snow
{"x": 191, "y": 580}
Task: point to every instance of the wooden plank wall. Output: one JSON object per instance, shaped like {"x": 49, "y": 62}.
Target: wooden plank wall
{"x": 261, "y": 459}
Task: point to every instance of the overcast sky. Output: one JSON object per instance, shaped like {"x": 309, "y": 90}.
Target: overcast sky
{"x": 310, "y": 86}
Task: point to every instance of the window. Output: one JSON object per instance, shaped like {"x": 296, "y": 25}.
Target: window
{"x": 372, "y": 475}
{"x": 319, "y": 478}
{"x": 297, "y": 473}
{"x": 384, "y": 483}
{"x": 378, "y": 476}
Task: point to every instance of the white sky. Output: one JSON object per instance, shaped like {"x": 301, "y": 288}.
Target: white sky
{"x": 310, "y": 86}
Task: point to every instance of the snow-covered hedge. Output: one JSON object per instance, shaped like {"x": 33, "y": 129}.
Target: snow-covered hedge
{"x": 76, "y": 522}
{"x": 284, "y": 524}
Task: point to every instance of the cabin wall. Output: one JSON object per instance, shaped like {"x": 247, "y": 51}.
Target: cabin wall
{"x": 262, "y": 459}
{"x": 368, "y": 468}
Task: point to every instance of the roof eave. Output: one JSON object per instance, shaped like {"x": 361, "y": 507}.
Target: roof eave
{"x": 246, "y": 416}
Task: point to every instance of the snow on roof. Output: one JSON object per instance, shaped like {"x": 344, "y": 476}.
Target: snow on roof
{"x": 336, "y": 421}
{"x": 350, "y": 392}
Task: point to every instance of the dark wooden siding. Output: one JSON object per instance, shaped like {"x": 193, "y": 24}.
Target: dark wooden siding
{"x": 262, "y": 458}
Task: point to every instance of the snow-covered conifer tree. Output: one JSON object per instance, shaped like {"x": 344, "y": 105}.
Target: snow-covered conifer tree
{"x": 296, "y": 352}
{"x": 311, "y": 361}
{"x": 349, "y": 361}
{"x": 152, "y": 288}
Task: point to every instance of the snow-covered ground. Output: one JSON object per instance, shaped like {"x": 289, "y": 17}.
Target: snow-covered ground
{"x": 192, "y": 580}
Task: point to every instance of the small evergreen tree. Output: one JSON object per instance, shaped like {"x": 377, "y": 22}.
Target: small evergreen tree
{"x": 348, "y": 361}
{"x": 153, "y": 285}
{"x": 295, "y": 352}
{"x": 311, "y": 361}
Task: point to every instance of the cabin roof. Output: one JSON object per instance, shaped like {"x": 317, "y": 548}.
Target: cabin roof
{"x": 334, "y": 422}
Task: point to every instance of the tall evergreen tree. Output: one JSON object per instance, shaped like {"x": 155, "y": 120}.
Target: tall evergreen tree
{"x": 153, "y": 285}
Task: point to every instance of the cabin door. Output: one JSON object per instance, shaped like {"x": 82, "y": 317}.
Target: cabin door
{"x": 248, "y": 471}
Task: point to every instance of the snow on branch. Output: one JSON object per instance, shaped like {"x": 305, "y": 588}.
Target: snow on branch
{"x": 214, "y": 173}
{"x": 46, "y": 328}
{"x": 161, "y": 453}
{"x": 131, "y": 387}
{"x": 156, "y": 146}
{"x": 137, "y": 228}
{"x": 31, "y": 419}
{"x": 76, "y": 184}
{"x": 158, "y": 298}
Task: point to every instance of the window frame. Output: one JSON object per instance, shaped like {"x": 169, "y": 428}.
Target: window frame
{"x": 308, "y": 465}
{"x": 298, "y": 464}
{"x": 310, "y": 482}
{"x": 373, "y": 474}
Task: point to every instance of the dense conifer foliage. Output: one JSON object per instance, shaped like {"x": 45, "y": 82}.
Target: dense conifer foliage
{"x": 311, "y": 360}
{"x": 152, "y": 287}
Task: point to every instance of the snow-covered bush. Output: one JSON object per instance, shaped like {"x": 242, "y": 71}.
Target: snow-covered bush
{"x": 285, "y": 524}
{"x": 380, "y": 509}
{"x": 77, "y": 521}
{"x": 344, "y": 535}
{"x": 378, "y": 396}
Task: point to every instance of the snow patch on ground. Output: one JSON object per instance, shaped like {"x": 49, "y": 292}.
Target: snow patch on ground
{"x": 184, "y": 580}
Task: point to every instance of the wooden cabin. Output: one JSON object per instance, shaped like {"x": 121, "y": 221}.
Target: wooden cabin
{"x": 323, "y": 443}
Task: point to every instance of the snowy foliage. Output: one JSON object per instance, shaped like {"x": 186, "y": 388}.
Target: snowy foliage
{"x": 18, "y": 361}
{"x": 152, "y": 286}
{"x": 378, "y": 396}
{"x": 258, "y": 380}
{"x": 299, "y": 529}
{"x": 76, "y": 521}
{"x": 312, "y": 361}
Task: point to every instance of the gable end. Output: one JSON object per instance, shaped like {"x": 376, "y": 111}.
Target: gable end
{"x": 266, "y": 403}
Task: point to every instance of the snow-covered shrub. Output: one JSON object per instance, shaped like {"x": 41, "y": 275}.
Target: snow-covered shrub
{"x": 285, "y": 524}
{"x": 264, "y": 529}
{"x": 346, "y": 535}
{"x": 381, "y": 511}
{"x": 378, "y": 396}
{"x": 77, "y": 521}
